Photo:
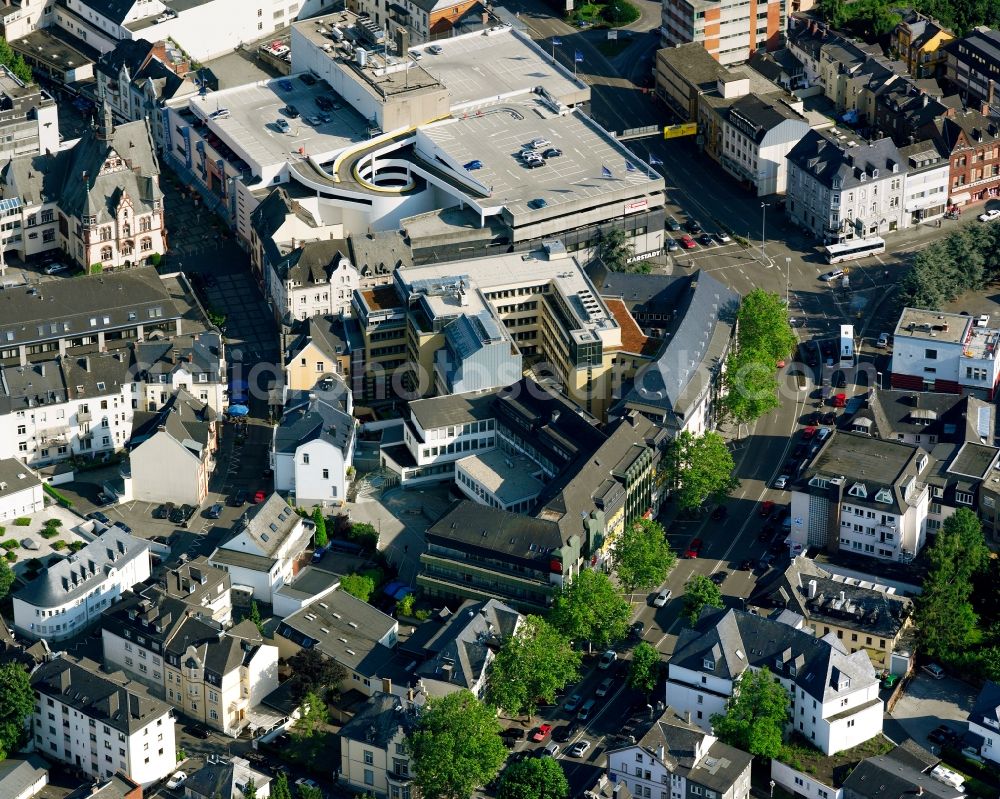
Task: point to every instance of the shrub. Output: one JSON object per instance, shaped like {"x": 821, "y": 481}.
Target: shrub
{"x": 96, "y": 268}
{"x": 56, "y": 523}
{"x": 57, "y": 495}
{"x": 405, "y": 606}
{"x": 155, "y": 259}
{"x": 365, "y": 534}
{"x": 11, "y": 556}
{"x": 76, "y": 546}
{"x": 49, "y": 532}
{"x": 22, "y": 521}
{"x": 10, "y": 544}
{"x": 58, "y": 545}
{"x": 422, "y": 615}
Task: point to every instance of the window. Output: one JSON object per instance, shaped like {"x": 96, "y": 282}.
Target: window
{"x": 369, "y": 758}
{"x": 326, "y": 474}
{"x": 930, "y": 355}
{"x": 369, "y": 777}
{"x": 962, "y": 498}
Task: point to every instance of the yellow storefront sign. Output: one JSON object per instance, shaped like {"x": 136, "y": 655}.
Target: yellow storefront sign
{"x": 685, "y": 129}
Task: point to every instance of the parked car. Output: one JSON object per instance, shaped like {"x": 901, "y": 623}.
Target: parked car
{"x": 177, "y": 515}
{"x": 54, "y": 269}
{"x": 722, "y": 237}
{"x": 97, "y": 516}
{"x": 637, "y": 629}
{"x": 935, "y": 671}
{"x": 574, "y": 702}
{"x": 694, "y": 548}
{"x": 537, "y": 204}
{"x": 215, "y": 511}
{"x": 693, "y": 226}
{"x": 840, "y": 401}
{"x": 662, "y": 598}
{"x": 473, "y": 165}
{"x": 829, "y": 418}
{"x": 607, "y": 659}
{"x": 563, "y": 732}
{"x": 672, "y": 245}
{"x": 238, "y": 498}
{"x": 883, "y": 341}
{"x": 538, "y": 144}
{"x": 941, "y": 735}
{"x": 719, "y": 577}
{"x": 552, "y": 152}
{"x": 515, "y": 733}
{"x": 833, "y": 274}
{"x": 766, "y": 507}
{"x": 435, "y": 49}
{"x": 809, "y": 432}
{"x": 687, "y": 242}
{"x": 197, "y": 731}
{"x": 706, "y": 240}
{"x": 983, "y": 320}
{"x": 290, "y": 111}
{"x": 324, "y": 103}
{"x": 989, "y": 216}
{"x": 122, "y": 526}
{"x": 176, "y": 780}
{"x": 314, "y": 120}
{"x": 673, "y": 224}
{"x": 746, "y": 566}
{"x": 163, "y": 511}
{"x": 259, "y": 496}
{"x": 305, "y": 782}
{"x": 782, "y": 481}
{"x": 587, "y": 710}
{"x": 605, "y": 687}
{"x": 307, "y": 79}
{"x": 549, "y": 750}
{"x": 416, "y": 55}
{"x": 580, "y": 748}
{"x": 282, "y": 126}
{"x": 541, "y": 732}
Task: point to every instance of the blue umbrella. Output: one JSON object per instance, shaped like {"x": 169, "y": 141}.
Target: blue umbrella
{"x": 238, "y": 410}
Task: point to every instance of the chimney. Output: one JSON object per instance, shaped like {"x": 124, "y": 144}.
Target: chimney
{"x": 386, "y": 685}
{"x": 812, "y": 589}
{"x": 486, "y": 19}
{"x": 662, "y": 752}
{"x": 85, "y": 363}
{"x": 687, "y": 716}
{"x": 113, "y": 704}
{"x": 64, "y": 680}
{"x": 41, "y": 369}
{"x": 133, "y": 706}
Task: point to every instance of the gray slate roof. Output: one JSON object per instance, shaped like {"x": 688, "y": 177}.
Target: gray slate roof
{"x": 308, "y": 417}
{"x": 81, "y": 572}
{"x": 197, "y": 354}
{"x": 268, "y": 524}
{"x": 311, "y": 263}
{"x": 827, "y": 160}
{"x": 734, "y": 640}
{"x": 15, "y": 477}
{"x": 895, "y": 776}
{"x": 221, "y": 779}
{"x": 183, "y": 418}
{"x": 471, "y": 526}
{"x": 110, "y": 698}
{"x": 986, "y": 711}
{"x": 379, "y": 719}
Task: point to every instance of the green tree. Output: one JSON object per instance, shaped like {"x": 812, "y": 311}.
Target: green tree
{"x": 250, "y": 789}
{"x": 456, "y": 747}
{"x": 313, "y": 715}
{"x": 17, "y": 706}
{"x": 309, "y": 792}
{"x": 279, "y": 788}
{"x": 755, "y": 715}
{"x": 365, "y": 534}
{"x": 6, "y": 578}
{"x": 944, "y": 615}
{"x": 749, "y": 386}
{"x": 320, "y": 538}
{"x": 21, "y": 69}
{"x": 531, "y": 665}
{"x": 832, "y": 11}
{"x": 615, "y": 249}
{"x": 644, "y": 671}
{"x": 700, "y": 593}
{"x": 699, "y": 469}
{"x": 358, "y": 585}
{"x": 642, "y": 558}
{"x": 590, "y": 608}
{"x": 313, "y": 672}
{"x": 255, "y": 616}
{"x": 534, "y": 778}
{"x": 762, "y": 325}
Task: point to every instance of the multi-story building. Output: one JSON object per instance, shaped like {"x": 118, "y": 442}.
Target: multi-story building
{"x": 863, "y": 495}
{"x": 226, "y": 778}
{"x": 861, "y": 615}
{"x": 98, "y": 201}
{"x": 918, "y": 40}
{"x": 984, "y": 721}
{"x": 195, "y": 363}
{"x": 945, "y": 352}
{"x": 172, "y": 451}
{"x": 730, "y": 31}
{"x": 971, "y": 140}
{"x": 683, "y": 73}
{"x": 28, "y": 119}
{"x": 926, "y": 184}
{"x": 314, "y": 278}
{"x": 683, "y": 756}
{"x": 313, "y": 444}
{"x": 101, "y": 723}
{"x": 425, "y": 20}
{"x": 477, "y": 552}
{"x": 834, "y": 701}
{"x": 73, "y": 592}
{"x": 264, "y": 551}
{"x": 330, "y": 345}
{"x": 841, "y": 189}
{"x": 373, "y": 753}
{"x": 382, "y": 320}
{"x": 201, "y": 586}
{"x": 21, "y": 491}
{"x": 972, "y": 67}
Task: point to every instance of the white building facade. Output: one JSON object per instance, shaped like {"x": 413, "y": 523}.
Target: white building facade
{"x": 21, "y": 491}
{"x": 926, "y": 185}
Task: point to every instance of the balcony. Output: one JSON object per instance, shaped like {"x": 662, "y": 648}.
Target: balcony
{"x": 83, "y": 416}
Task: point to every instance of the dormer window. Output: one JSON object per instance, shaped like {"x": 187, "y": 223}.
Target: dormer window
{"x": 864, "y": 177}
{"x": 884, "y": 495}
{"x": 709, "y": 664}
{"x": 858, "y": 490}
{"x": 874, "y": 173}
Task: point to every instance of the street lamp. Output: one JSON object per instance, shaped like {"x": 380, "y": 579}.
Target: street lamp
{"x": 763, "y": 221}
{"x": 788, "y": 266}
{"x": 771, "y": 785}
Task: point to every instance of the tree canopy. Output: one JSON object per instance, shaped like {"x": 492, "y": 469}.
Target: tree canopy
{"x": 6, "y": 578}
{"x": 531, "y": 665}
{"x": 944, "y": 616}
{"x": 590, "y": 608}
{"x": 314, "y": 672}
{"x": 964, "y": 260}
{"x": 762, "y": 325}
{"x": 642, "y": 558}
{"x": 313, "y": 716}
{"x": 755, "y": 715}
{"x": 644, "y": 670}
{"x": 17, "y": 707}
{"x": 456, "y": 747}
{"x": 320, "y": 537}
{"x": 615, "y": 249}
{"x": 699, "y": 469}
{"x": 700, "y": 593}
{"x": 360, "y": 586}
{"x": 534, "y": 778}
{"x": 279, "y": 788}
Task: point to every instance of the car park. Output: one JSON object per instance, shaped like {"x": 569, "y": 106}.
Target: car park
{"x": 176, "y": 780}
{"x": 605, "y": 687}
{"x": 694, "y": 548}
{"x": 989, "y": 216}
{"x": 662, "y": 598}
{"x": 833, "y": 274}
{"x": 687, "y": 242}
{"x": 607, "y": 659}
{"x": 781, "y": 481}
{"x": 580, "y": 748}
{"x": 541, "y": 732}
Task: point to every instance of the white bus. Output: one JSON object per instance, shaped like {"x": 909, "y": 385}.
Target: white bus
{"x": 854, "y": 248}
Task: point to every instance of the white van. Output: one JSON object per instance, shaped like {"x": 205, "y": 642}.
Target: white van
{"x": 587, "y": 710}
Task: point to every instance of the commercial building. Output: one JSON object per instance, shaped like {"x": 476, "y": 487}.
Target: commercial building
{"x": 476, "y": 552}
{"x": 834, "y": 695}
{"x": 328, "y": 346}
{"x": 373, "y": 753}
{"x": 313, "y": 445}
{"x": 71, "y": 593}
{"x": 101, "y": 723}
{"x": 264, "y": 551}
{"x": 683, "y": 756}
{"x": 99, "y": 201}
{"x": 21, "y": 491}
{"x": 984, "y": 721}
{"x": 195, "y": 363}
{"x": 861, "y": 614}
{"x": 28, "y": 120}
{"x": 863, "y": 495}
{"x": 840, "y": 189}
{"x": 926, "y": 184}
{"x": 971, "y": 140}
{"x": 683, "y": 73}
{"x": 973, "y": 65}
{"x": 945, "y": 352}
{"x": 730, "y": 31}
{"x": 172, "y": 451}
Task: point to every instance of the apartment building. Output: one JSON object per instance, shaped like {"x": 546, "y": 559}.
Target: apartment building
{"x": 328, "y": 346}
{"x": 862, "y": 615}
{"x": 972, "y": 65}
{"x": 926, "y": 184}
{"x": 313, "y": 444}
{"x": 21, "y": 491}
{"x": 373, "y": 753}
{"x": 195, "y": 363}
{"x": 28, "y": 120}
{"x": 945, "y": 352}
{"x": 99, "y": 201}
{"x": 226, "y": 778}
{"x": 730, "y": 31}
{"x": 101, "y": 723}
{"x": 919, "y": 41}
{"x": 834, "y": 701}
{"x": 683, "y": 73}
{"x": 382, "y": 319}
{"x": 984, "y": 721}
{"x": 971, "y": 140}
{"x": 72, "y": 593}
{"x": 314, "y": 278}
{"x": 201, "y": 586}
{"x": 863, "y": 495}
{"x": 678, "y": 759}
{"x": 841, "y": 189}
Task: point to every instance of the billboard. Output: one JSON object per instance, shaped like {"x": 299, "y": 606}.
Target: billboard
{"x": 684, "y": 129}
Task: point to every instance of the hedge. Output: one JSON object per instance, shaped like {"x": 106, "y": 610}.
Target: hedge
{"x": 57, "y": 495}
{"x": 22, "y": 521}
{"x": 9, "y": 544}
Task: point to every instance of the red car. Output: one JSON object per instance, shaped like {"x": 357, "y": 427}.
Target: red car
{"x": 259, "y": 497}
{"x": 809, "y": 432}
{"x": 840, "y": 401}
{"x": 694, "y": 548}
{"x": 541, "y": 733}
{"x": 687, "y": 242}
{"x": 765, "y": 508}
